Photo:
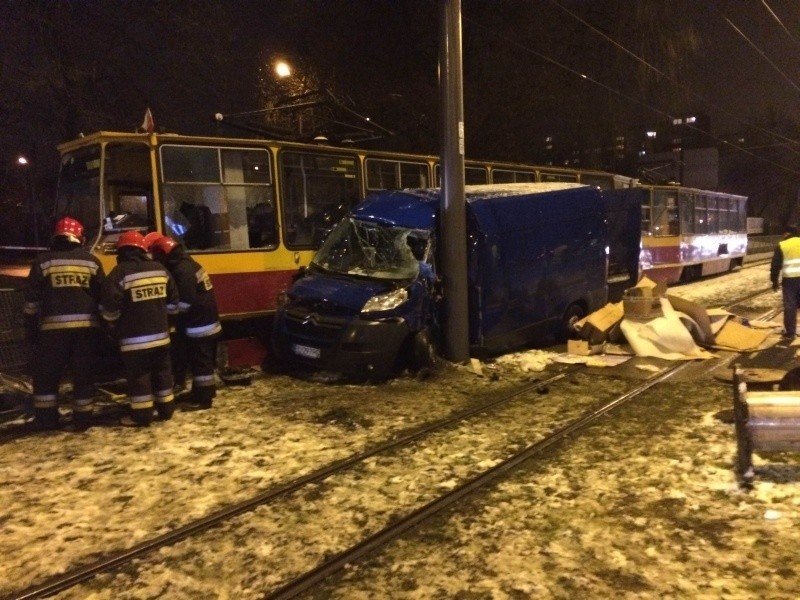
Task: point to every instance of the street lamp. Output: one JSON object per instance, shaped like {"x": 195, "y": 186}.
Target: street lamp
{"x": 23, "y": 161}
{"x": 282, "y": 69}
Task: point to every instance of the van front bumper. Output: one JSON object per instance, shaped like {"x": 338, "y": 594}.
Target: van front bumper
{"x": 354, "y": 347}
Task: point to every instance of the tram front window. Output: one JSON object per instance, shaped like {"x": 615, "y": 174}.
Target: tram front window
{"x": 78, "y": 193}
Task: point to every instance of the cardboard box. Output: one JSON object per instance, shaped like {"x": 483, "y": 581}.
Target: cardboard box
{"x": 643, "y": 301}
{"x": 646, "y": 288}
{"x": 584, "y": 348}
{"x": 596, "y": 327}
{"x": 643, "y": 307}
{"x": 740, "y": 338}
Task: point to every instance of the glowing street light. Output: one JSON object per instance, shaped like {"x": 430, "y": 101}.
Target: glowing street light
{"x": 282, "y": 69}
{"x": 21, "y": 160}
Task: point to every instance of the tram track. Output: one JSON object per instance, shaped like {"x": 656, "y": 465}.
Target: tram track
{"x": 114, "y": 560}
{"x": 380, "y": 539}
{"x": 291, "y": 588}
{"x": 399, "y": 525}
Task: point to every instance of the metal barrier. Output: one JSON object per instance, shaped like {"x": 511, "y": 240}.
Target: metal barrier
{"x": 13, "y": 348}
{"x": 762, "y": 244}
{"x": 765, "y": 421}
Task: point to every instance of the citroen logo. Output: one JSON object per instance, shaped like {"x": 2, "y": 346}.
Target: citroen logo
{"x": 310, "y": 319}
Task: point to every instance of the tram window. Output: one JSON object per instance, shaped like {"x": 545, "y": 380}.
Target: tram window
{"x": 249, "y": 200}
{"x": 505, "y": 176}
{"x": 741, "y": 212}
{"x": 686, "y": 213}
{"x": 413, "y": 175}
{"x": 472, "y": 175}
{"x": 568, "y": 177}
{"x": 395, "y": 175}
{"x": 318, "y": 190}
{"x": 727, "y": 221}
{"x": 665, "y": 214}
{"x": 382, "y": 175}
{"x": 647, "y": 221}
{"x": 700, "y": 215}
{"x": 245, "y": 166}
{"x": 128, "y": 187}
{"x": 190, "y": 164}
{"x": 731, "y": 221}
{"x": 475, "y": 176}
{"x": 79, "y": 188}
{"x": 603, "y": 182}
{"x": 712, "y": 212}
{"x": 218, "y": 198}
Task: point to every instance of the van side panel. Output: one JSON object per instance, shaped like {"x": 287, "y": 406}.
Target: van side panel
{"x": 575, "y": 238}
{"x": 531, "y": 257}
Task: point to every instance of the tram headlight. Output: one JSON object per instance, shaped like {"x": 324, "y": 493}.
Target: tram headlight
{"x": 387, "y": 301}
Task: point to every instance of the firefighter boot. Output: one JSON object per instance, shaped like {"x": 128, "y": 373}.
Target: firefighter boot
{"x": 82, "y": 420}
{"x": 46, "y": 418}
{"x": 164, "y": 410}
{"x": 137, "y": 418}
{"x": 203, "y": 397}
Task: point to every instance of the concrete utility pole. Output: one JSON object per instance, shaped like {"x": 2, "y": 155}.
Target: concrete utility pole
{"x": 453, "y": 237}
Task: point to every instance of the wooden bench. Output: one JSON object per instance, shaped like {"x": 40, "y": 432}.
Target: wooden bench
{"x": 765, "y": 421}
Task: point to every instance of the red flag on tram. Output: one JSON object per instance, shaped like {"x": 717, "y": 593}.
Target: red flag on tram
{"x": 148, "y": 124}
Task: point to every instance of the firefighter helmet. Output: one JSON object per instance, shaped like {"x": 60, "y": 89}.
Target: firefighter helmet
{"x": 163, "y": 245}
{"x": 152, "y": 238}
{"x": 132, "y": 239}
{"x": 70, "y": 229}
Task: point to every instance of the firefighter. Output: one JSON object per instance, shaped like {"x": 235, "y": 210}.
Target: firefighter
{"x": 62, "y": 319}
{"x": 177, "y": 338}
{"x": 198, "y": 323}
{"x": 138, "y": 295}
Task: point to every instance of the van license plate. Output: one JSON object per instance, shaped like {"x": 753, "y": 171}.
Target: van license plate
{"x": 307, "y": 351}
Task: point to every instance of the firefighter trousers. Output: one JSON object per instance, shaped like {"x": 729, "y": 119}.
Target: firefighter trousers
{"x": 149, "y": 378}
{"x": 58, "y": 351}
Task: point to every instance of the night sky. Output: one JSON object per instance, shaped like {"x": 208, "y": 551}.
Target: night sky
{"x": 72, "y": 67}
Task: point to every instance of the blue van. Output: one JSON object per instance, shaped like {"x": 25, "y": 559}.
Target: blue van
{"x": 369, "y": 303}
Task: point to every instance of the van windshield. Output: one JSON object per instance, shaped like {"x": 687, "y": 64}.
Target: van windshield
{"x": 368, "y": 249}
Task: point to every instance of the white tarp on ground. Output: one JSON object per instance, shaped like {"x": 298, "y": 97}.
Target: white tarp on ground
{"x": 664, "y": 337}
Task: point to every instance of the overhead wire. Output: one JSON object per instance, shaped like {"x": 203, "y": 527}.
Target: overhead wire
{"x": 685, "y": 88}
{"x": 780, "y": 22}
{"x": 762, "y": 54}
{"x": 630, "y": 98}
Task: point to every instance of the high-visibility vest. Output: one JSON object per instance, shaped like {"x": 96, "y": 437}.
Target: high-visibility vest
{"x": 791, "y": 257}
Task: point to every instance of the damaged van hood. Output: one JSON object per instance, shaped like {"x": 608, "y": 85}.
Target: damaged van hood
{"x": 347, "y": 294}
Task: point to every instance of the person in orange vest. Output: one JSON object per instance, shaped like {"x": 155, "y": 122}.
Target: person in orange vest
{"x": 785, "y": 273}
{"x": 62, "y": 319}
{"x": 138, "y": 296}
{"x": 198, "y": 327}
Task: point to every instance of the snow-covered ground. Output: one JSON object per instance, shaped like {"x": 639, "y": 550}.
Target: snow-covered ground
{"x": 647, "y": 509}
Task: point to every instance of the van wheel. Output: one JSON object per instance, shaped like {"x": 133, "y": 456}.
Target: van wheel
{"x": 425, "y": 353}
{"x": 573, "y": 314}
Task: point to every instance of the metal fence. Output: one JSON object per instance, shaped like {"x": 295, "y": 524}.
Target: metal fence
{"x": 13, "y": 349}
{"x": 762, "y": 244}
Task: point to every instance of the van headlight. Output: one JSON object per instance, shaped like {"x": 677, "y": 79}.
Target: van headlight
{"x": 386, "y": 301}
